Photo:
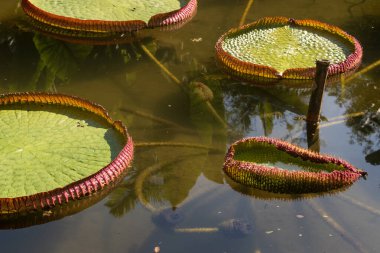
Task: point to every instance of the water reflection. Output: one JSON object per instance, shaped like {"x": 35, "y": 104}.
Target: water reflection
{"x": 37, "y": 217}
{"x": 265, "y": 195}
{"x": 365, "y": 127}
{"x": 118, "y": 76}
{"x": 259, "y": 109}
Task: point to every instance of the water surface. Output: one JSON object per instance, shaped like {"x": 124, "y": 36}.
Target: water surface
{"x": 123, "y": 79}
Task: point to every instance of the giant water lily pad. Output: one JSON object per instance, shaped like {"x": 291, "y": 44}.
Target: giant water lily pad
{"x": 109, "y": 15}
{"x": 280, "y": 47}
{"x": 56, "y": 148}
{"x": 278, "y": 166}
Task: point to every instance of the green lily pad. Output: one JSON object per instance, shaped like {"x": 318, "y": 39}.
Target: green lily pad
{"x": 54, "y": 148}
{"x": 109, "y": 15}
{"x": 280, "y": 47}
{"x": 110, "y": 10}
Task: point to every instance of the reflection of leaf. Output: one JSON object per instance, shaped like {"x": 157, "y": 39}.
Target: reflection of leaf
{"x": 364, "y": 97}
{"x": 179, "y": 179}
{"x": 245, "y": 103}
{"x": 210, "y": 133}
{"x": 373, "y": 158}
{"x": 288, "y": 99}
{"x": 266, "y": 115}
{"x": 37, "y": 74}
{"x": 121, "y": 200}
{"x": 61, "y": 58}
{"x": 170, "y": 181}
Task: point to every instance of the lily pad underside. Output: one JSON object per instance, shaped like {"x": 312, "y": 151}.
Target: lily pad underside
{"x": 278, "y": 166}
{"x": 280, "y": 47}
{"x": 109, "y": 15}
{"x": 55, "y": 148}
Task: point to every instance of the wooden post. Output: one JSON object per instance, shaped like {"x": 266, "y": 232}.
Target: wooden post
{"x": 313, "y": 114}
{"x": 312, "y": 133}
{"x": 317, "y": 93}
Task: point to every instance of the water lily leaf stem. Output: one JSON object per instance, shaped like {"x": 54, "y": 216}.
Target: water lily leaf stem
{"x": 246, "y": 10}
{"x": 177, "y": 81}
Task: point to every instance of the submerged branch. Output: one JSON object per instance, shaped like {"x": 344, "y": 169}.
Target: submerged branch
{"x": 246, "y": 10}
{"x": 155, "y": 118}
{"x": 177, "y": 81}
{"x": 215, "y": 114}
{"x": 361, "y": 72}
{"x": 196, "y": 230}
{"x": 166, "y": 70}
{"x": 175, "y": 144}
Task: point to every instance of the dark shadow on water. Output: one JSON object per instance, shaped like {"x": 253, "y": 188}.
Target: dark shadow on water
{"x": 373, "y": 158}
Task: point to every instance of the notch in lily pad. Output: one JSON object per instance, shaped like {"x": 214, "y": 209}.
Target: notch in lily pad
{"x": 57, "y": 148}
{"x": 109, "y": 16}
{"x": 277, "y": 166}
{"x": 286, "y": 48}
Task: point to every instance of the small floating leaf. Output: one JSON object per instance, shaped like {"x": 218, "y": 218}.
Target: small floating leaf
{"x": 278, "y": 166}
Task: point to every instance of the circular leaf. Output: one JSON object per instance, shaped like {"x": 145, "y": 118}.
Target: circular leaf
{"x": 109, "y": 15}
{"x": 286, "y": 48}
{"x": 55, "y": 148}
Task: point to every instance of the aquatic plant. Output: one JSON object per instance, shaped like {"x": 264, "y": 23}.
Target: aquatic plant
{"x": 109, "y": 16}
{"x": 279, "y": 47}
{"x": 278, "y": 166}
{"x": 57, "y": 148}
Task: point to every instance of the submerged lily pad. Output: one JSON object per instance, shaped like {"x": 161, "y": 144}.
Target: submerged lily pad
{"x": 56, "y": 148}
{"x": 280, "y": 47}
{"x": 278, "y": 166}
{"x": 109, "y": 15}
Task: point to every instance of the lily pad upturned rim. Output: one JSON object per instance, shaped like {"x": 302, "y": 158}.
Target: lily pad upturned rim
{"x": 161, "y": 19}
{"x": 263, "y": 177}
{"x": 18, "y": 220}
{"x": 251, "y": 71}
{"x": 85, "y": 186}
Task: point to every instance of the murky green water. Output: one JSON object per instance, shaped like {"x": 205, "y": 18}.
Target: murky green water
{"x": 123, "y": 79}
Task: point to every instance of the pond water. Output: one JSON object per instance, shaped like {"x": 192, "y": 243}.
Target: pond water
{"x": 122, "y": 78}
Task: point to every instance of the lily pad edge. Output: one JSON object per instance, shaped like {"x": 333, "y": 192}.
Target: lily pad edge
{"x": 161, "y": 19}
{"x": 247, "y": 70}
{"x": 85, "y": 186}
